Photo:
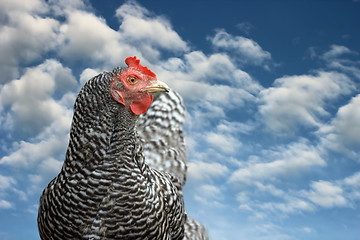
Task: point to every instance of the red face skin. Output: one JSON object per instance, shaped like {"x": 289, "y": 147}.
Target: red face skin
{"x": 133, "y": 87}
{"x": 133, "y": 93}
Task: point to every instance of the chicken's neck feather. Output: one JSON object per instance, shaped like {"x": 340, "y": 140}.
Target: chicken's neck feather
{"x": 103, "y": 132}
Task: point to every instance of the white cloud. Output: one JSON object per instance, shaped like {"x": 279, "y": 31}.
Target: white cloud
{"x": 21, "y": 6}
{"x": 353, "y": 180}
{"x": 32, "y": 107}
{"x": 87, "y": 74}
{"x": 348, "y": 67}
{"x": 243, "y": 198}
{"x": 24, "y": 37}
{"x": 27, "y": 154}
{"x": 322, "y": 194}
{"x": 290, "y": 206}
{"x": 210, "y": 85}
{"x": 351, "y": 185}
{"x": 81, "y": 43}
{"x": 6, "y": 182}
{"x": 34, "y": 110}
{"x": 64, "y": 7}
{"x": 326, "y": 194}
{"x": 210, "y": 195}
{"x": 225, "y": 143}
{"x": 210, "y": 190}
{"x": 211, "y": 78}
{"x": 203, "y": 171}
{"x": 285, "y": 161}
{"x": 335, "y": 52}
{"x": 201, "y": 116}
{"x": 308, "y": 230}
{"x": 299, "y": 101}
{"x": 218, "y": 68}
{"x": 5, "y": 204}
{"x": 278, "y": 203}
{"x": 341, "y": 134}
{"x": 338, "y": 58}
{"x": 270, "y": 189}
{"x": 106, "y": 47}
{"x": 249, "y": 51}
{"x": 138, "y": 27}
{"x": 234, "y": 127}
{"x": 51, "y": 165}
{"x": 347, "y": 124}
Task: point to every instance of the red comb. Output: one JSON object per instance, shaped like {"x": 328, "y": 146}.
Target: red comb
{"x": 132, "y": 62}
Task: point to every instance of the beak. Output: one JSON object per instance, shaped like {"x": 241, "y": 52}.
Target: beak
{"x": 156, "y": 86}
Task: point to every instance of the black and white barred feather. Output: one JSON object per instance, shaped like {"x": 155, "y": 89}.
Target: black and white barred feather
{"x": 194, "y": 230}
{"x": 105, "y": 189}
{"x": 162, "y": 136}
{"x": 161, "y": 132}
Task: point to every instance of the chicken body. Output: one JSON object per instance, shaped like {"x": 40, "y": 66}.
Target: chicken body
{"x": 105, "y": 189}
{"x": 161, "y": 132}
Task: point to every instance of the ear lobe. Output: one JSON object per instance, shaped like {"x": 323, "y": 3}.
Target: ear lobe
{"x": 117, "y": 96}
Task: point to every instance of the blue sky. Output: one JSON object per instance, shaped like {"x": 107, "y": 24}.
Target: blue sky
{"x": 271, "y": 90}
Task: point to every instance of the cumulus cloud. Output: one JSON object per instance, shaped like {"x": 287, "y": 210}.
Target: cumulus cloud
{"x": 347, "y": 124}
{"x": 32, "y": 106}
{"x": 234, "y": 127}
{"x": 308, "y": 230}
{"x": 341, "y": 134}
{"x": 202, "y": 170}
{"x": 210, "y": 190}
{"x": 5, "y": 204}
{"x": 285, "y": 161}
{"x": 320, "y": 194}
{"x": 290, "y": 206}
{"x": 353, "y": 180}
{"x": 148, "y": 32}
{"x": 24, "y": 36}
{"x": 352, "y": 186}
{"x": 335, "y": 52}
{"x": 339, "y": 58}
{"x": 247, "y": 49}
{"x": 209, "y": 195}
{"x": 140, "y": 33}
{"x": 82, "y": 44}
{"x": 326, "y": 194}
{"x": 299, "y": 101}
{"x": 28, "y": 154}
{"x": 87, "y": 74}
{"x": 65, "y": 7}
{"x": 225, "y": 143}
{"x": 209, "y": 79}
{"x": 270, "y": 189}
{"x": 6, "y": 184}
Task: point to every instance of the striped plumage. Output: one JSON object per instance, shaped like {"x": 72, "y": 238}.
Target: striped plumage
{"x": 194, "y": 230}
{"x": 105, "y": 189}
{"x": 161, "y": 132}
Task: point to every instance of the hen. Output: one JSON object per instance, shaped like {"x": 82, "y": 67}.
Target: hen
{"x": 105, "y": 189}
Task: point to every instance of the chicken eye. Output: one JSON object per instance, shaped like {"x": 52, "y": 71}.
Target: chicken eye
{"x": 132, "y": 79}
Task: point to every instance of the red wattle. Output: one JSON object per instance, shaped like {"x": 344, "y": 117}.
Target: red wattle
{"x": 141, "y": 105}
